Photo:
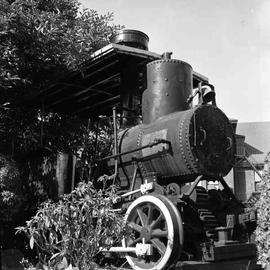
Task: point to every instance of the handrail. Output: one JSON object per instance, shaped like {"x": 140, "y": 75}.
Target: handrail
{"x": 251, "y": 164}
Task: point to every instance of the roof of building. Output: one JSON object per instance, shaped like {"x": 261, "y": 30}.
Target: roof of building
{"x": 257, "y": 135}
{"x": 250, "y": 150}
{"x": 257, "y": 141}
{"x": 257, "y": 159}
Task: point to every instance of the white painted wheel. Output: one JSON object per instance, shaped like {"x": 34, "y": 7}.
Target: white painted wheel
{"x": 155, "y": 219}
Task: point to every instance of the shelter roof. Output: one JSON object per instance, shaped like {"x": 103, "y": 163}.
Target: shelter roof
{"x": 95, "y": 88}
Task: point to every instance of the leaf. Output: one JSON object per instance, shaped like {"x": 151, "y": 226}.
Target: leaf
{"x": 54, "y": 255}
{"x": 47, "y": 222}
{"x": 32, "y": 241}
{"x": 65, "y": 263}
{"x": 69, "y": 267}
{"x": 51, "y": 238}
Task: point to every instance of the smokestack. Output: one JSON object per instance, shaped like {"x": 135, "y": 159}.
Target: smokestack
{"x": 131, "y": 76}
{"x": 131, "y": 38}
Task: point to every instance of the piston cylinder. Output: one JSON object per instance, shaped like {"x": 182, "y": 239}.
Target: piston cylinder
{"x": 169, "y": 84}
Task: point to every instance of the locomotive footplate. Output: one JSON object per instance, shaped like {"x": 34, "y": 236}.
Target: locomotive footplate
{"x": 216, "y": 252}
{"x": 232, "y": 265}
{"x": 199, "y": 265}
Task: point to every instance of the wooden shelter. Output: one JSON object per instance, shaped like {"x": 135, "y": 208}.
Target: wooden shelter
{"x": 96, "y": 87}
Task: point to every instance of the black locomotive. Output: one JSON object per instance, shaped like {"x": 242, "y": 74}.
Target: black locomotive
{"x": 164, "y": 166}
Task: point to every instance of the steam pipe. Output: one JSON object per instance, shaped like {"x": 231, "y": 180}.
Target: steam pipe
{"x": 115, "y": 145}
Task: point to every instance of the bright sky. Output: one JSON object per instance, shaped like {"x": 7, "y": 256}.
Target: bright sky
{"x": 226, "y": 40}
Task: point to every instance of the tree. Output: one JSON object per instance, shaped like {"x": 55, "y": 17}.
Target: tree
{"x": 263, "y": 206}
{"x": 41, "y": 41}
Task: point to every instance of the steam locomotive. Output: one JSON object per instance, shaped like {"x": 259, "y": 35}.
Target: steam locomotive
{"x": 165, "y": 165}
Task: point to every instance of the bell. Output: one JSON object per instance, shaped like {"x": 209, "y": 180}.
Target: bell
{"x": 208, "y": 94}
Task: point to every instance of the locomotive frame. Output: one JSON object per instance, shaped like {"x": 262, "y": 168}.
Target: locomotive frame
{"x": 220, "y": 254}
{"x": 159, "y": 198}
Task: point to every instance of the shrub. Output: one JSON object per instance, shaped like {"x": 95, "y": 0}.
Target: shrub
{"x": 72, "y": 230}
{"x": 263, "y": 229}
{"x": 10, "y": 189}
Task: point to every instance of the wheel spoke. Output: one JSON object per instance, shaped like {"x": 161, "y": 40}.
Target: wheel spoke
{"x": 159, "y": 245}
{"x": 142, "y": 216}
{"x": 159, "y": 233}
{"x": 155, "y": 223}
{"x": 150, "y": 214}
{"x": 135, "y": 226}
{"x": 135, "y": 241}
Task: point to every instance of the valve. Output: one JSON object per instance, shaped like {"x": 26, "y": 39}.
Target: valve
{"x": 143, "y": 249}
{"x": 146, "y": 187}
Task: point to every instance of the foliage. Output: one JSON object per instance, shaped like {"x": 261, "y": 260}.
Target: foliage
{"x": 10, "y": 188}
{"x": 263, "y": 206}
{"x": 97, "y": 144}
{"x": 72, "y": 231}
{"x": 42, "y": 38}
{"x": 41, "y": 41}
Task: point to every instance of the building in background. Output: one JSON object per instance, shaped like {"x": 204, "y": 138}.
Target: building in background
{"x": 253, "y": 143}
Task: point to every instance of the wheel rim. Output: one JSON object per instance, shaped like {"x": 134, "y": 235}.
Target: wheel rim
{"x": 179, "y": 236}
{"x": 154, "y": 219}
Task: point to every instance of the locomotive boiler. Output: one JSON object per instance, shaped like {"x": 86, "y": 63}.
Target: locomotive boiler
{"x": 193, "y": 140}
{"x": 170, "y": 170}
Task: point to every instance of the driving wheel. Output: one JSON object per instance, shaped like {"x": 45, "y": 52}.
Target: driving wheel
{"x": 154, "y": 220}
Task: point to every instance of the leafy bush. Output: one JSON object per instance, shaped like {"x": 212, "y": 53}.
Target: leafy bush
{"x": 263, "y": 229}
{"x": 42, "y": 41}
{"x": 10, "y": 189}
{"x": 72, "y": 231}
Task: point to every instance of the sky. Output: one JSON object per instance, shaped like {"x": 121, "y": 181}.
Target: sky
{"x": 226, "y": 40}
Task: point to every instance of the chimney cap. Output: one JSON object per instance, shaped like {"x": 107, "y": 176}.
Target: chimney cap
{"x": 132, "y": 38}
